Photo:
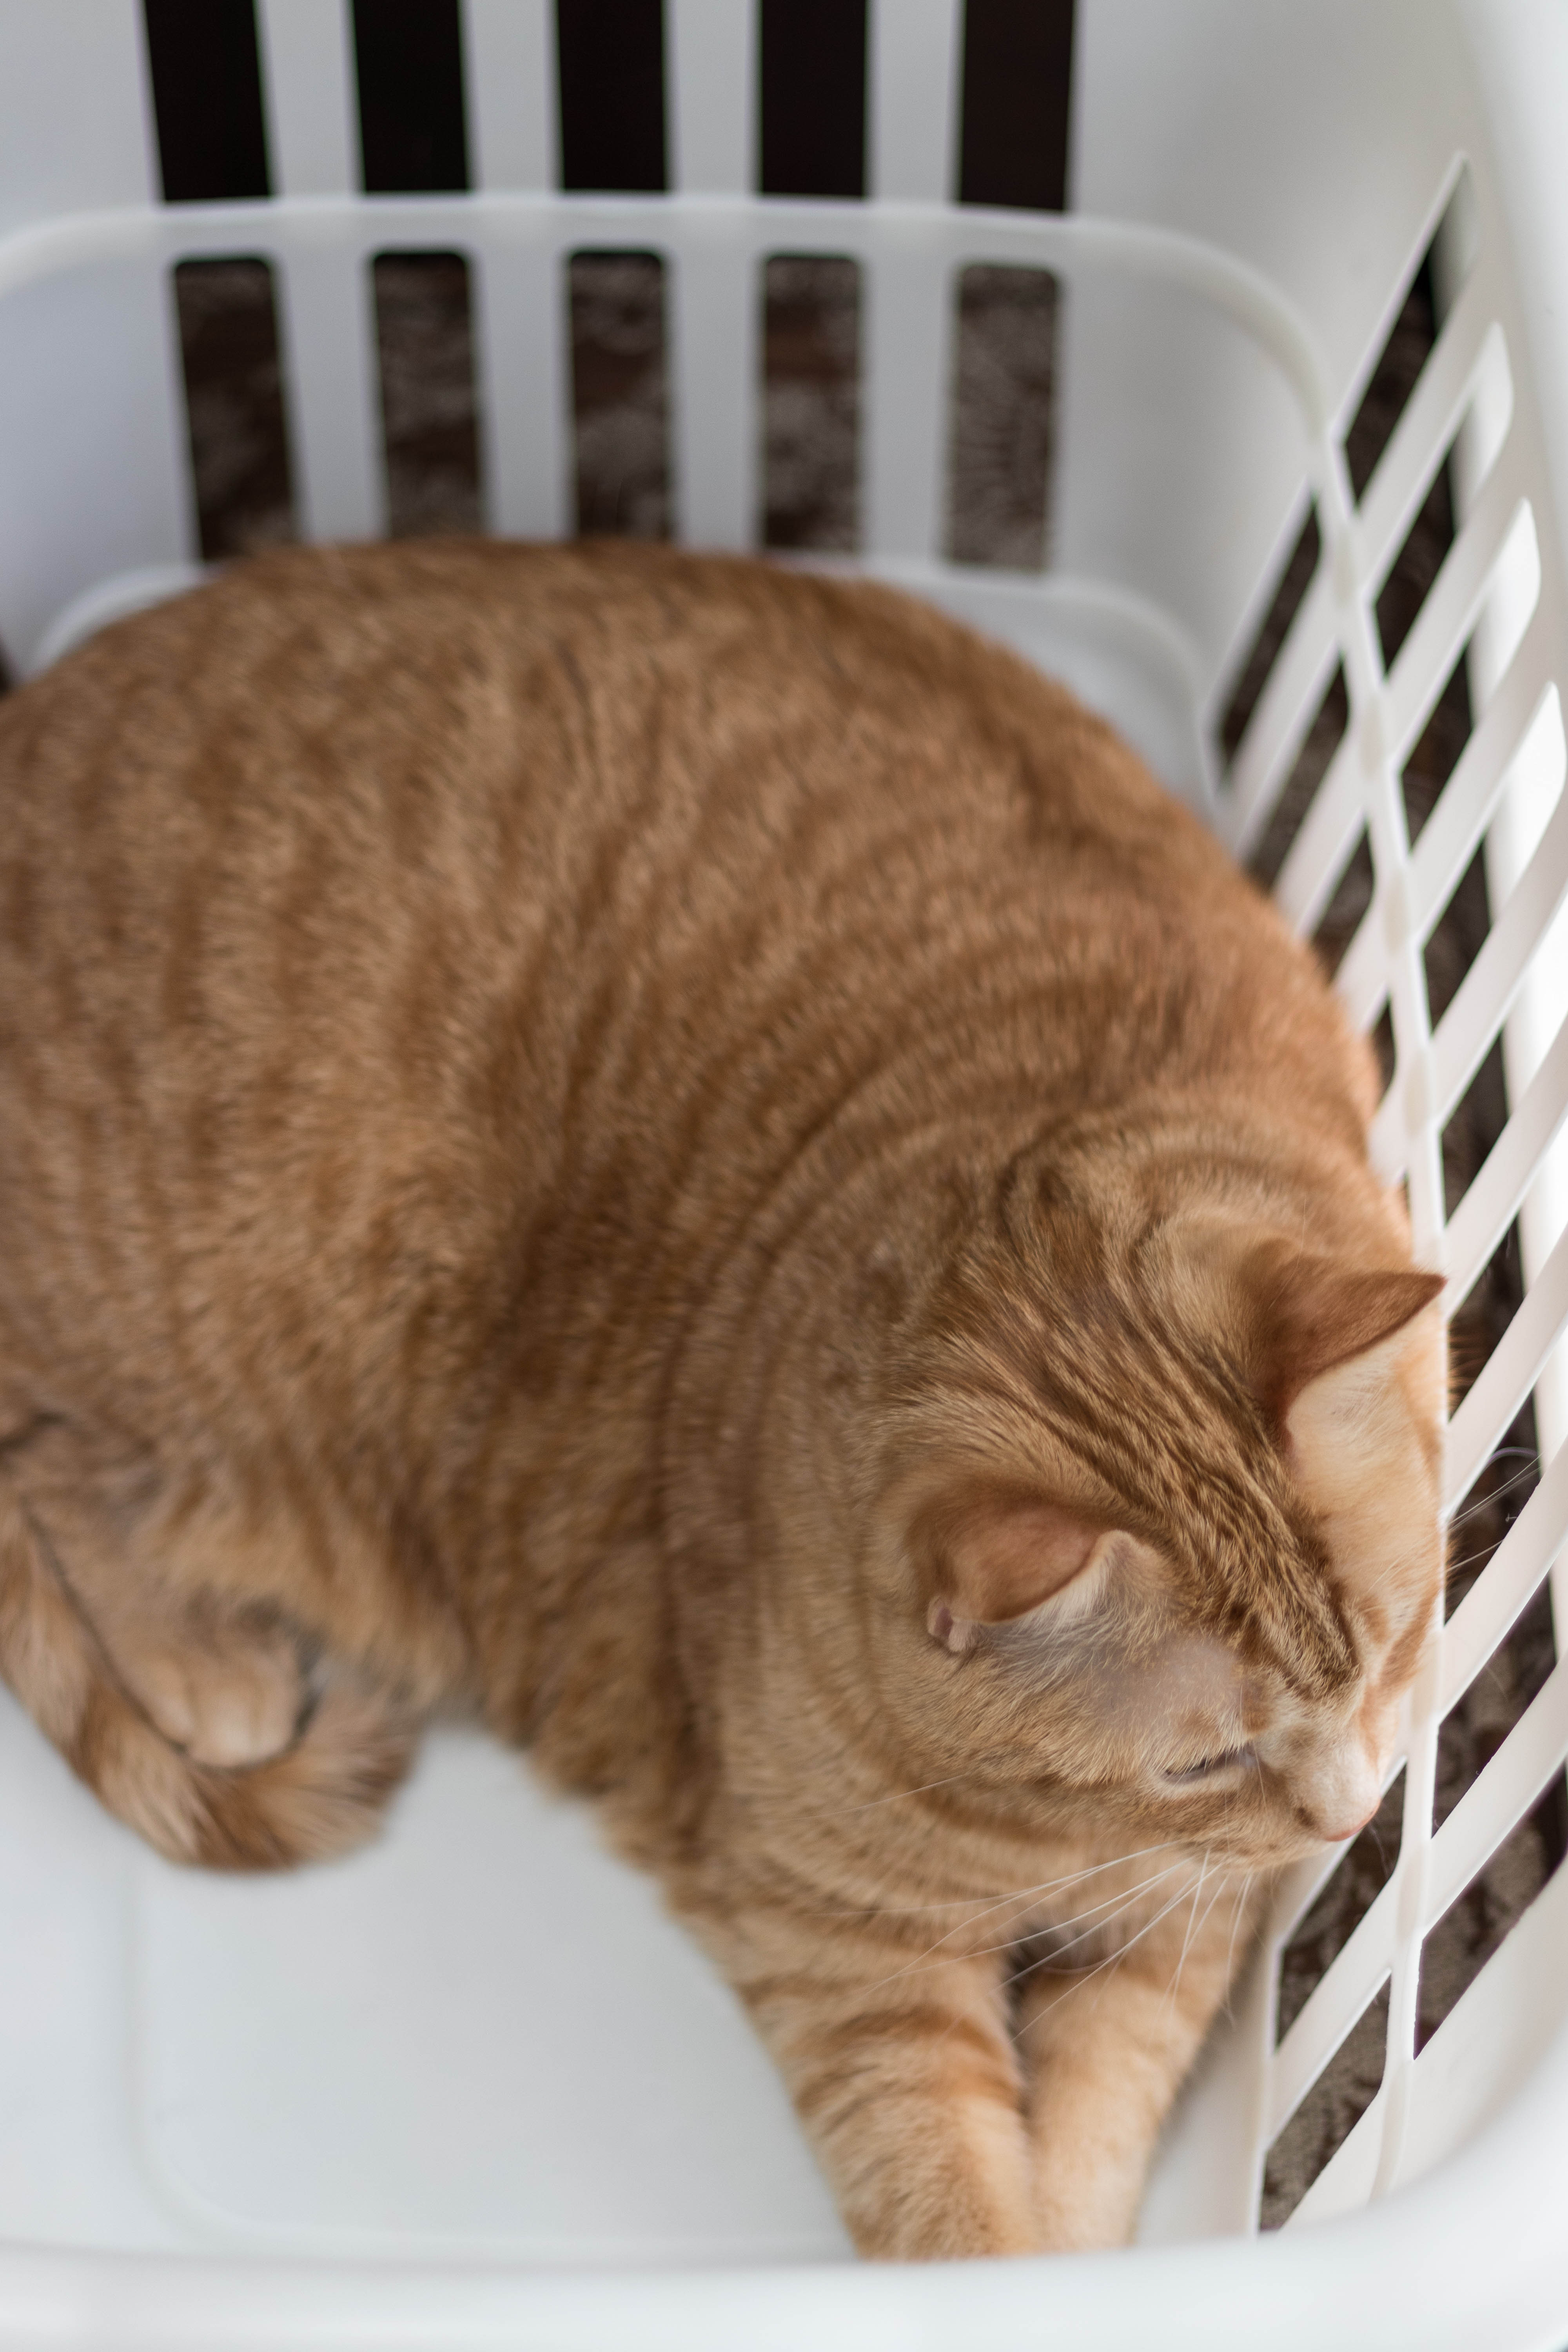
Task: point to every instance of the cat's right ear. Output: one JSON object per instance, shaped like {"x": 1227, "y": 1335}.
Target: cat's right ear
{"x": 997, "y": 1562}
{"x": 1297, "y": 1314}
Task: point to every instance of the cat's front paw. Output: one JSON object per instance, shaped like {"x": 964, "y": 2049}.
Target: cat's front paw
{"x": 233, "y": 1703}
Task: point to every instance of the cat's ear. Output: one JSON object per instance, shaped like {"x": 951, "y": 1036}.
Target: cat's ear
{"x": 999, "y": 1561}
{"x": 1305, "y": 1315}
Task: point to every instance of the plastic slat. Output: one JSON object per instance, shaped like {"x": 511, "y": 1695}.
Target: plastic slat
{"x": 1362, "y": 980}
{"x": 1469, "y": 343}
{"x": 1457, "y": 595}
{"x": 1501, "y": 1796}
{"x": 1489, "y": 988}
{"x": 713, "y": 311}
{"x": 1331, "y": 2008}
{"x": 1410, "y": 1881}
{"x": 1486, "y": 769}
{"x": 712, "y": 73}
{"x": 1477, "y": 2059}
{"x": 509, "y": 80}
{"x": 1310, "y": 873}
{"x": 1488, "y": 1610}
{"x": 324, "y": 292}
{"x": 1489, "y": 2042}
{"x": 913, "y": 107}
{"x": 1510, "y": 1374}
{"x": 524, "y": 402}
{"x": 1482, "y": 1000}
{"x": 905, "y": 302}
{"x": 1468, "y": 801}
{"x": 1346, "y": 2181}
{"x": 1510, "y": 1166}
{"x": 1284, "y": 712}
{"x": 309, "y": 84}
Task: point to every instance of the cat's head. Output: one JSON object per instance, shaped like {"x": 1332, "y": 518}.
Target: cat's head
{"x": 1169, "y": 1537}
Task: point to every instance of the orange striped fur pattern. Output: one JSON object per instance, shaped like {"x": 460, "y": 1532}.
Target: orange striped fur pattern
{"x": 697, "y": 1162}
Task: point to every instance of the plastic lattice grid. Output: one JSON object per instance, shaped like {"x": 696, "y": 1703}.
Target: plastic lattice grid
{"x": 1396, "y": 767}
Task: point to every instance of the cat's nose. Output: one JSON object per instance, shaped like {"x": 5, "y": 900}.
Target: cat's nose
{"x": 1349, "y": 1829}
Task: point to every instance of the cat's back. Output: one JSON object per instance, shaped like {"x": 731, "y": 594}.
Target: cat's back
{"x": 380, "y": 911}
{"x": 339, "y": 807}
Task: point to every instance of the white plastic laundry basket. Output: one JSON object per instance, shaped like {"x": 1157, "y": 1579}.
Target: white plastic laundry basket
{"x": 470, "y": 2088}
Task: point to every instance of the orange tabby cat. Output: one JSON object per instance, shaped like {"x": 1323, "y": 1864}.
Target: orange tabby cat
{"x": 701, "y": 1163}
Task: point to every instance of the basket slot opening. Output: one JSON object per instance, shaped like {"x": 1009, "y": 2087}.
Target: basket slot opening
{"x": 1327, "y": 2116}
{"x": 611, "y": 70}
{"x": 1340, "y": 1906}
{"x": 1347, "y": 908}
{"x": 811, "y": 402}
{"x": 240, "y": 463}
{"x": 207, "y": 99}
{"x": 1497, "y": 1496}
{"x": 1325, "y": 734}
{"x": 813, "y": 72}
{"x": 1473, "y": 1127}
{"x": 1296, "y": 576}
{"x": 1428, "y": 298}
{"x": 1016, "y": 114}
{"x": 1003, "y": 417}
{"x": 1435, "y": 752}
{"x": 1458, "y": 937}
{"x": 408, "y": 63}
{"x": 1411, "y": 575}
{"x": 1394, "y": 377}
{"x": 1383, "y": 1047}
{"x": 620, "y": 395}
{"x": 1514, "y": 1675}
{"x": 429, "y": 407}
{"x": 1480, "y": 1322}
{"x": 1456, "y": 1951}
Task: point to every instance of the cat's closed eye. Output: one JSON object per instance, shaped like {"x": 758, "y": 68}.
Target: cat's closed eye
{"x": 1208, "y": 1768}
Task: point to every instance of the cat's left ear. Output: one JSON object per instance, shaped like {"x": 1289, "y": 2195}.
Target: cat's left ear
{"x": 999, "y": 1561}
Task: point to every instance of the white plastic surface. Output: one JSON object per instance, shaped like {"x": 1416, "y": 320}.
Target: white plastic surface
{"x": 471, "y": 2086}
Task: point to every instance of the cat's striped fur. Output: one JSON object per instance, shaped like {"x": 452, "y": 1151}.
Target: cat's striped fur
{"x": 696, "y": 1161}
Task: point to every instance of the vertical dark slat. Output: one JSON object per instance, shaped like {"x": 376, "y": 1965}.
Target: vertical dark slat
{"x": 428, "y": 410}
{"x": 1016, "y": 113}
{"x": 611, "y": 95}
{"x": 620, "y": 395}
{"x": 408, "y": 59}
{"x": 813, "y": 98}
{"x": 207, "y": 96}
{"x": 234, "y": 405}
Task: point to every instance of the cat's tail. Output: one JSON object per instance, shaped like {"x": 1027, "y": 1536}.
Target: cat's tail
{"x": 321, "y": 1795}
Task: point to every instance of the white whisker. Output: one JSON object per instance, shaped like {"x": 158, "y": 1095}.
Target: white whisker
{"x": 960, "y": 1902}
{"x": 926, "y": 1959}
{"x": 1112, "y": 1959}
{"x": 1186, "y": 1940}
{"x": 1049, "y": 1959}
{"x": 1484, "y": 1502}
{"x": 840, "y": 1812}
